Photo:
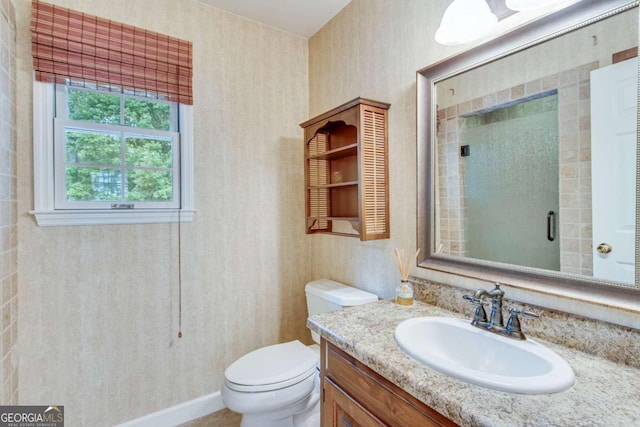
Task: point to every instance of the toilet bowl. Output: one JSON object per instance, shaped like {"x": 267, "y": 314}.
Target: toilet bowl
{"x": 270, "y": 385}
{"x": 279, "y": 385}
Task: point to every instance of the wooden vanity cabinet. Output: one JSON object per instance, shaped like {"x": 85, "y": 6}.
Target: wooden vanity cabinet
{"x": 354, "y": 395}
{"x": 346, "y": 171}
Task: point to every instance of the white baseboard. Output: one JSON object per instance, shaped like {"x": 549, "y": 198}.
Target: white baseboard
{"x": 181, "y": 413}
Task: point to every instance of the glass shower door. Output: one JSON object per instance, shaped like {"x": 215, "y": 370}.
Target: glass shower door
{"x": 510, "y": 184}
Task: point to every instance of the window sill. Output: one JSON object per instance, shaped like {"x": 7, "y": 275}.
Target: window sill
{"x": 106, "y": 217}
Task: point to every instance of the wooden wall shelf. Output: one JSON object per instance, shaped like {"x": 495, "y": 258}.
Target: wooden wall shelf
{"x": 338, "y": 153}
{"x": 346, "y": 170}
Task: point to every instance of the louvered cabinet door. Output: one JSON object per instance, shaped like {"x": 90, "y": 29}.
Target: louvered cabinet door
{"x": 346, "y": 171}
{"x": 374, "y": 172}
{"x": 317, "y": 177}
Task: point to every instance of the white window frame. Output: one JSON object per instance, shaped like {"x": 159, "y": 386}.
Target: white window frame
{"x": 44, "y": 169}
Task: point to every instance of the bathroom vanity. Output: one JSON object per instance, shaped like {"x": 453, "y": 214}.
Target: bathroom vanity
{"x": 368, "y": 380}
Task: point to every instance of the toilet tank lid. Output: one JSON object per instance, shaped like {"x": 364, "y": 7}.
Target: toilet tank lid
{"x": 339, "y": 293}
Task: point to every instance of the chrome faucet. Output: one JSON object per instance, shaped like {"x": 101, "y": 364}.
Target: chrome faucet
{"x": 495, "y": 322}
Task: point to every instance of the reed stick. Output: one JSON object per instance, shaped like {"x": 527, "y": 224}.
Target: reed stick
{"x": 399, "y": 261}
{"x": 405, "y": 268}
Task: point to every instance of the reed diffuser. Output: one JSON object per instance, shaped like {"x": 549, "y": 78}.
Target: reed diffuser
{"x": 404, "y": 292}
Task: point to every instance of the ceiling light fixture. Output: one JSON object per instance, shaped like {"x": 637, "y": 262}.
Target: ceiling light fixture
{"x": 465, "y": 21}
{"x": 522, "y": 5}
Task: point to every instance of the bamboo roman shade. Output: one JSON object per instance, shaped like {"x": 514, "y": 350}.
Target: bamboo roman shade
{"x": 77, "y": 48}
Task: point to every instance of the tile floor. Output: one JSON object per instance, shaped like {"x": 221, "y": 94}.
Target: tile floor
{"x": 224, "y": 418}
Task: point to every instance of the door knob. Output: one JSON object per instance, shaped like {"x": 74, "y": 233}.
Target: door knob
{"x": 604, "y": 248}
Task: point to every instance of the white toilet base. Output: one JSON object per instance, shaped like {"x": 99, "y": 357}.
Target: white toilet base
{"x": 309, "y": 417}
{"x": 304, "y": 413}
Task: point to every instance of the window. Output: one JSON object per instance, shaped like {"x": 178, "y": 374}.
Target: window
{"x": 112, "y": 121}
{"x": 114, "y": 151}
{"x": 110, "y": 158}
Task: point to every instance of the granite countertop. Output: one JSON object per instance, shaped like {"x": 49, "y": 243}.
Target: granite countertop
{"x": 605, "y": 393}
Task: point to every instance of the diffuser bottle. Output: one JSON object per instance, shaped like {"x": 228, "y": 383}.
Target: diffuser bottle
{"x": 404, "y": 293}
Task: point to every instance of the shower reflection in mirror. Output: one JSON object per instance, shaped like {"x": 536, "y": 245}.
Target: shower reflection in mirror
{"x": 542, "y": 173}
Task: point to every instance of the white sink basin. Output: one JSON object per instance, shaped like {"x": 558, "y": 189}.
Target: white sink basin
{"x": 455, "y": 347}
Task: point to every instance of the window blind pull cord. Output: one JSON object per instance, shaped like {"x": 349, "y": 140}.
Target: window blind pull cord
{"x": 179, "y": 275}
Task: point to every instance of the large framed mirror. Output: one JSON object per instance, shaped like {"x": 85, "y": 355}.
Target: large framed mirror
{"x": 528, "y": 157}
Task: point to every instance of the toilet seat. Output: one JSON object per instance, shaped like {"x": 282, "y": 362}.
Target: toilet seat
{"x": 271, "y": 368}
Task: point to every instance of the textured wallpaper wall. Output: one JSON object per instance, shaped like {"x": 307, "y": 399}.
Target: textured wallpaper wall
{"x": 99, "y": 304}
{"x": 373, "y": 49}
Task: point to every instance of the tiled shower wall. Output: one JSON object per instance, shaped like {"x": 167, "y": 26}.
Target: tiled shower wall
{"x": 8, "y": 208}
{"x": 574, "y": 140}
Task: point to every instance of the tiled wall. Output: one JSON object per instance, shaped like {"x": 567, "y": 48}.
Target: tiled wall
{"x": 574, "y": 90}
{"x": 574, "y": 140}
{"x": 450, "y": 200}
{"x": 8, "y": 219}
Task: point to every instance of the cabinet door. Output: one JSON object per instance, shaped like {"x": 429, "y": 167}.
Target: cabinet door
{"x": 376, "y": 396}
{"x": 340, "y": 410}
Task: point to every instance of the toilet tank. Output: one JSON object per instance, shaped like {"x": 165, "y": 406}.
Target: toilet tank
{"x": 326, "y": 295}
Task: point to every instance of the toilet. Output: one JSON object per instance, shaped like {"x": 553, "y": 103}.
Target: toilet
{"x": 279, "y": 385}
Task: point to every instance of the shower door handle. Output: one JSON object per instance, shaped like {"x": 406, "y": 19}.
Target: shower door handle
{"x": 551, "y": 226}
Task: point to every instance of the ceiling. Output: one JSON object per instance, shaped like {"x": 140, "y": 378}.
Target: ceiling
{"x": 304, "y": 17}
{"x": 301, "y": 17}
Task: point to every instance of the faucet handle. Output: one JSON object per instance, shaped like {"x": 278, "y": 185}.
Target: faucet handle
{"x": 480, "y": 315}
{"x": 472, "y": 299}
{"x": 513, "y": 324}
{"x": 517, "y": 311}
